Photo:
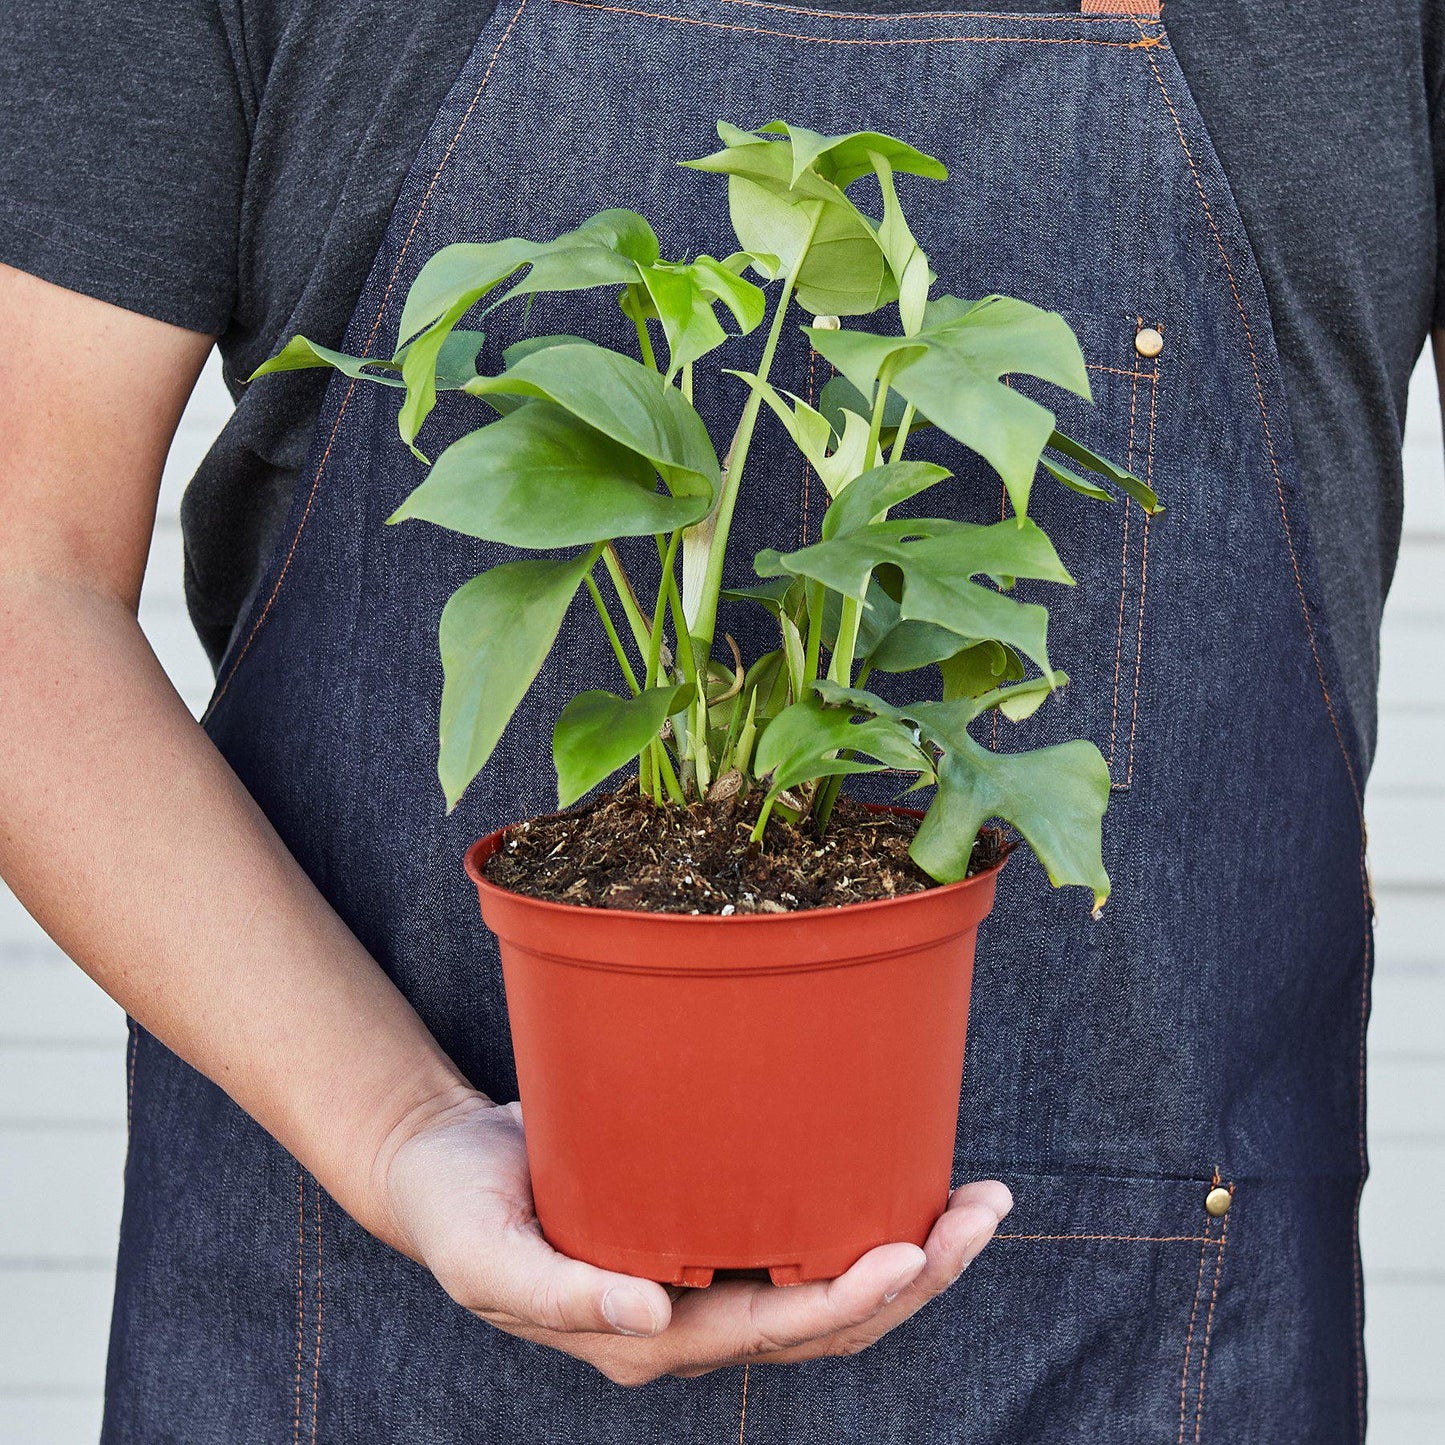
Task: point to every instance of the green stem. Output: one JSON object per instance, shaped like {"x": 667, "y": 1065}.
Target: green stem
{"x": 666, "y": 773}
{"x": 644, "y": 341}
{"x": 654, "y": 649}
{"x": 607, "y": 626}
{"x": 705, "y": 624}
{"x": 637, "y": 622}
{"x": 901, "y": 435}
{"x": 851, "y": 617}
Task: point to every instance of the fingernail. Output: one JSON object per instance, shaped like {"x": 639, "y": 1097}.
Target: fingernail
{"x": 628, "y": 1312}
{"x": 901, "y": 1282}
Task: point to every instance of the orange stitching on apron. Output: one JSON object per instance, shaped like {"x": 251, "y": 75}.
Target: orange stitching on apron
{"x": 346, "y": 399}
{"x": 1334, "y": 723}
{"x": 1143, "y": 576}
{"x": 300, "y": 1293}
{"x": 1208, "y": 1331}
{"x": 131, "y": 1043}
{"x": 1123, "y": 577}
{"x": 1204, "y": 1239}
{"x": 1145, "y": 44}
{"x": 743, "y": 1413}
{"x": 1189, "y": 1337}
{"x": 1076, "y": 17}
{"x": 316, "y": 1363}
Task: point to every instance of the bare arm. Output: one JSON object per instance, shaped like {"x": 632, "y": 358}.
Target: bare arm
{"x": 132, "y": 842}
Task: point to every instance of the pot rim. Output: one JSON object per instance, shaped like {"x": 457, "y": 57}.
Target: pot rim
{"x": 869, "y": 907}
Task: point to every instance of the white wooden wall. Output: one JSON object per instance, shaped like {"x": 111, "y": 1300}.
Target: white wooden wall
{"x": 62, "y": 1096}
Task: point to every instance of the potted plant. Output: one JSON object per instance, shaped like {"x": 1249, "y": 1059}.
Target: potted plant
{"x": 738, "y": 999}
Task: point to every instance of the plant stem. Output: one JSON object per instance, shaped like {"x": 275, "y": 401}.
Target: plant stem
{"x": 901, "y": 435}
{"x": 720, "y": 520}
{"x": 841, "y": 667}
{"x": 644, "y": 341}
{"x": 637, "y": 620}
{"x": 654, "y": 648}
{"x": 612, "y": 637}
{"x": 666, "y": 773}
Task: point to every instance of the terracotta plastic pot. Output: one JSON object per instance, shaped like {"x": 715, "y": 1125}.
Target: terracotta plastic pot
{"x": 767, "y": 1091}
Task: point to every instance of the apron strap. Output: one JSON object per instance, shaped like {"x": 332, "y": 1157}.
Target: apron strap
{"x": 1142, "y": 9}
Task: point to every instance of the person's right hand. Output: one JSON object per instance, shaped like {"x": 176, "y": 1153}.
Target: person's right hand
{"x": 459, "y": 1195}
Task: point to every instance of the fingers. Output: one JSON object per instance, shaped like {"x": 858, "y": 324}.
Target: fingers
{"x": 526, "y": 1283}
{"x": 956, "y": 1240}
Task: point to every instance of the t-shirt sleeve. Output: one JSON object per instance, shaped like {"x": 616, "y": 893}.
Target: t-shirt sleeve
{"x": 123, "y": 142}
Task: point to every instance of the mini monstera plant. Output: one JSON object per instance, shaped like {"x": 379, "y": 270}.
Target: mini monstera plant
{"x": 580, "y": 445}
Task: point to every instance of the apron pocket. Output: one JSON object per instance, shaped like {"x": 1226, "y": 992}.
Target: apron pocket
{"x": 1093, "y": 1310}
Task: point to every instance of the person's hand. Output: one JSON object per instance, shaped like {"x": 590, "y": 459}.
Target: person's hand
{"x": 459, "y": 1194}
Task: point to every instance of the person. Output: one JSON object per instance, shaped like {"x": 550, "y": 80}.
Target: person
{"x": 326, "y": 1181}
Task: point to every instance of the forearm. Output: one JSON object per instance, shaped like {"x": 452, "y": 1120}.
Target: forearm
{"x": 128, "y": 837}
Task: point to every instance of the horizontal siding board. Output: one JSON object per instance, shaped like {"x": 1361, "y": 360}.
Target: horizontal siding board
{"x": 60, "y": 1195}
{"x": 58, "y": 1330}
{"x": 35, "y": 1419}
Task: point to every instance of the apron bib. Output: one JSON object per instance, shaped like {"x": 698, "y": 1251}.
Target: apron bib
{"x": 1207, "y": 1032}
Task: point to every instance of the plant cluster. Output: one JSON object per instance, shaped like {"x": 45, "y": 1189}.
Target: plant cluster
{"x": 586, "y": 444}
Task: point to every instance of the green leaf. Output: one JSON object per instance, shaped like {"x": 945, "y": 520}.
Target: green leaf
{"x": 496, "y": 632}
{"x": 598, "y": 733}
{"x": 814, "y": 435}
{"x": 299, "y": 354}
{"x": 1126, "y": 481}
{"x": 979, "y": 669}
{"x": 843, "y": 159}
{"x": 937, "y": 560}
{"x": 604, "y": 250}
{"x": 888, "y": 643}
{"x": 776, "y": 188}
{"x": 1075, "y": 483}
{"x": 951, "y": 371}
{"x": 1055, "y": 797}
{"x": 539, "y": 477}
{"x": 867, "y": 498}
{"x": 801, "y": 744}
{"x": 624, "y": 400}
{"x": 683, "y": 299}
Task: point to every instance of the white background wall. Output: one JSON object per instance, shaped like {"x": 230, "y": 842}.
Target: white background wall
{"x": 62, "y": 1043}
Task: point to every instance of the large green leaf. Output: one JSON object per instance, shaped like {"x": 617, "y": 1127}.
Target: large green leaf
{"x": 496, "y": 632}
{"x": 937, "y": 560}
{"x": 802, "y": 744}
{"x": 782, "y": 190}
{"x": 598, "y": 733}
{"x": 539, "y": 477}
{"x": 624, "y": 400}
{"x": 951, "y": 371}
{"x": 604, "y": 250}
{"x": 1056, "y": 797}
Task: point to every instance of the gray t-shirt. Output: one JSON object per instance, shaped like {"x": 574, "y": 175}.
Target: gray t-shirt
{"x": 230, "y": 166}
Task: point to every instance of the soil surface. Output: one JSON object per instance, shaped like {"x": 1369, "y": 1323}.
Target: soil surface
{"x": 622, "y": 851}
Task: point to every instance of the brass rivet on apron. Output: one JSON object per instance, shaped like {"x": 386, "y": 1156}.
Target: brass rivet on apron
{"x": 1148, "y": 342}
{"x": 1217, "y": 1202}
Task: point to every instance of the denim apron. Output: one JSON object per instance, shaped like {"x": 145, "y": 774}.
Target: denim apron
{"x": 1202, "y": 1040}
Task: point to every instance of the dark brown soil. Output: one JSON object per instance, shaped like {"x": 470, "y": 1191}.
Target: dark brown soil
{"x": 622, "y": 851}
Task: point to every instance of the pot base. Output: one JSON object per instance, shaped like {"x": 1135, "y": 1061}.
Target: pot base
{"x": 675, "y": 1270}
